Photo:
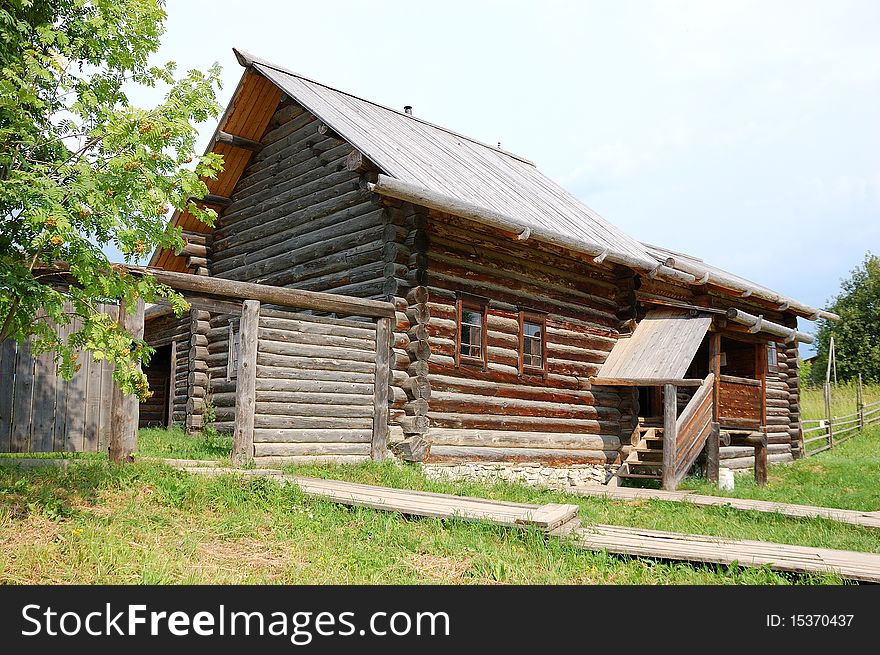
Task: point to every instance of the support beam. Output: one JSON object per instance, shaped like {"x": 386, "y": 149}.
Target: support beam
{"x": 125, "y": 408}
{"x": 379, "y": 443}
{"x": 238, "y": 141}
{"x": 768, "y": 327}
{"x": 211, "y": 199}
{"x": 644, "y": 382}
{"x": 246, "y": 384}
{"x": 266, "y": 294}
{"x": 670, "y": 435}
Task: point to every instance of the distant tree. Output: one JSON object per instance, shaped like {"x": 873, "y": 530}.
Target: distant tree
{"x": 805, "y": 372}
{"x": 81, "y": 168}
{"x": 857, "y": 333}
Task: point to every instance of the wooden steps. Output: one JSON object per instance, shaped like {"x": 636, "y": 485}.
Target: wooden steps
{"x": 644, "y": 461}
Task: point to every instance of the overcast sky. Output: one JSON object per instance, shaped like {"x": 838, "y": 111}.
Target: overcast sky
{"x": 745, "y": 133}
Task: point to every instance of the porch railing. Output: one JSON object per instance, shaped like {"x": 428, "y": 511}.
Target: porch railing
{"x": 685, "y": 435}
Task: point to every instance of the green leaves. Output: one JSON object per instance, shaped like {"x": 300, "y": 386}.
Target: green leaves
{"x": 857, "y": 333}
{"x": 82, "y": 169}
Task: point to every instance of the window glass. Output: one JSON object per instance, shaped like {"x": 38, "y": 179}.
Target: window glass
{"x": 471, "y": 335}
{"x": 533, "y": 344}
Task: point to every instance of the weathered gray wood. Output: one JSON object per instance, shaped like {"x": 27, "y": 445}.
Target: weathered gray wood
{"x": 23, "y": 402}
{"x": 245, "y": 391}
{"x": 380, "y": 397}
{"x": 647, "y": 382}
{"x": 300, "y": 435}
{"x": 712, "y": 454}
{"x": 318, "y": 422}
{"x": 568, "y": 456}
{"x": 271, "y": 295}
{"x": 760, "y": 324}
{"x": 301, "y": 449}
{"x": 8, "y": 354}
{"x": 523, "y": 439}
{"x": 125, "y": 407}
{"x": 237, "y": 141}
{"x": 670, "y": 414}
{"x": 169, "y": 418}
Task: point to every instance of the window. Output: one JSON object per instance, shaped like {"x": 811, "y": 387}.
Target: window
{"x": 772, "y": 358}
{"x": 233, "y": 343}
{"x": 532, "y": 342}
{"x": 470, "y": 346}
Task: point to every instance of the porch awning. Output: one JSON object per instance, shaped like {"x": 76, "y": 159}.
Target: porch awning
{"x": 659, "y": 351}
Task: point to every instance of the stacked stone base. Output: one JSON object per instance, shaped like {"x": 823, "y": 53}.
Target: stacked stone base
{"x": 538, "y": 475}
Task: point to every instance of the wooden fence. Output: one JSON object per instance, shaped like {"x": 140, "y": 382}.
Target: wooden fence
{"x": 823, "y": 434}
{"x": 40, "y": 412}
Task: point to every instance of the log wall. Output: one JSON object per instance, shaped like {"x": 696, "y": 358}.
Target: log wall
{"x": 500, "y": 414}
{"x": 299, "y": 218}
{"x": 314, "y": 389}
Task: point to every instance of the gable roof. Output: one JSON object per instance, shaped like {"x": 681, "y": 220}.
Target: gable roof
{"x": 428, "y": 162}
{"x": 416, "y": 151}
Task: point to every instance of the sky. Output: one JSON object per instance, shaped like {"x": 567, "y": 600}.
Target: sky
{"x": 745, "y": 133}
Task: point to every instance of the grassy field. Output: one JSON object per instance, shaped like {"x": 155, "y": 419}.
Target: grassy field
{"x": 148, "y": 523}
{"x": 843, "y": 400}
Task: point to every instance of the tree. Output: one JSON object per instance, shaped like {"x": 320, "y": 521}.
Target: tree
{"x": 857, "y": 333}
{"x": 81, "y": 168}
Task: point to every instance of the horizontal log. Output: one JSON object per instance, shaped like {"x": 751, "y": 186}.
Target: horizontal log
{"x": 269, "y": 295}
{"x": 462, "y": 403}
{"x": 759, "y": 324}
{"x": 314, "y": 410}
{"x": 555, "y": 457}
{"x": 645, "y": 382}
{"x": 285, "y": 378}
{"x": 314, "y": 387}
{"x": 321, "y": 341}
{"x": 303, "y": 449}
{"x": 284, "y": 422}
{"x": 532, "y": 423}
{"x": 310, "y": 460}
{"x": 522, "y": 439}
{"x": 307, "y": 350}
{"x": 326, "y": 363}
{"x": 299, "y": 323}
{"x": 314, "y": 397}
{"x": 237, "y": 141}
{"x": 264, "y": 435}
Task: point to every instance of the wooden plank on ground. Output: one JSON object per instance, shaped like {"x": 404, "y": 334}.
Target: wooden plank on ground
{"x": 629, "y": 541}
{"x": 718, "y": 550}
{"x": 854, "y": 517}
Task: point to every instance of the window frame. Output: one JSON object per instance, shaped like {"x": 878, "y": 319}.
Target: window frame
{"x": 772, "y": 367}
{"x": 475, "y": 304}
{"x": 537, "y": 318}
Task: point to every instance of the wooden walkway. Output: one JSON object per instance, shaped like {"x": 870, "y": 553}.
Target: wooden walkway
{"x": 562, "y": 521}
{"x": 639, "y": 542}
{"x": 420, "y": 503}
{"x": 854, "y": 517}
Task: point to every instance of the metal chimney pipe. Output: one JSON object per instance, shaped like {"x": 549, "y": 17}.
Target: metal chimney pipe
{"x": 408, "y": 110}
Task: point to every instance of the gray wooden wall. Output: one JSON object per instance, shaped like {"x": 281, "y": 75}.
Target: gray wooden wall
{"x": 40, "y": 412}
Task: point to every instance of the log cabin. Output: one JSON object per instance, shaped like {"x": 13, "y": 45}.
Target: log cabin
{"x": 526, "y": 329}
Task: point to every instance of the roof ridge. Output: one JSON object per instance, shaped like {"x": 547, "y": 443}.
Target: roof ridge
{"x": 247, "y": 59}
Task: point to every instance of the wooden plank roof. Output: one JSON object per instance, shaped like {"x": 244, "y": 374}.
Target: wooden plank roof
{"x": 662, "y": 346}
{"x": 413, "y": 150}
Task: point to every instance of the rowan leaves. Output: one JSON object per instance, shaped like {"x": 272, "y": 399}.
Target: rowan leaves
{"x": 82, "y": 168}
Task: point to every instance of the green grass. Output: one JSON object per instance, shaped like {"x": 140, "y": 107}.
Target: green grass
{"x": 148, "y": 523}
{"x": 843, "y": 400}
{"x": 175, "y": 443}
{"x": 847, "y": 477}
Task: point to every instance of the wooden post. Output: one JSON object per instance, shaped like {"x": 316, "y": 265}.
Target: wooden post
{"x": 380, "y": 389}
{"x": 828, "y": 419}
{"x": 125, "y": 409}
{"x": 246, "y": 384}
{"x": 715, "y": 367}
{"x": 761, "y": 461}
{"x": 860, "y": 404}
{"x": 169, "y": 419}
{"x": 713, "y": 444}
{"x": 670, "y": 416}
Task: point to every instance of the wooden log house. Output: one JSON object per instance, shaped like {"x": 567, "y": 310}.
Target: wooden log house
{"x": 526, "y": 327}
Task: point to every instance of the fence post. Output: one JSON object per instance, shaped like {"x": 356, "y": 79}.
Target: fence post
{"x": 828, "y": 419}
{"x": 246, "y": 384}
{"x": 860, "y": 404}
{"x": 125, "y": 409}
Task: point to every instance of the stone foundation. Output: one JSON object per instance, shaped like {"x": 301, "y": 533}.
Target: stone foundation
{"x": 537, "y": 475}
